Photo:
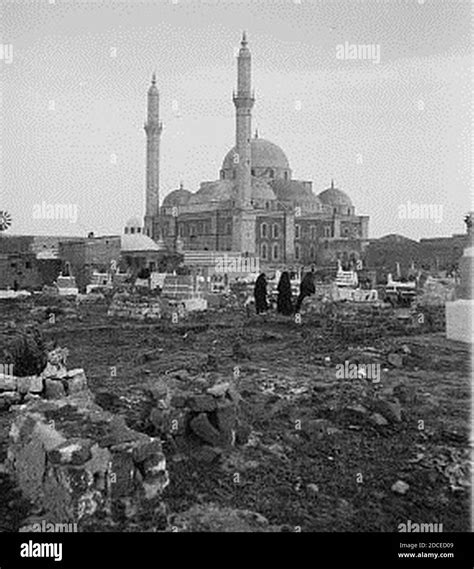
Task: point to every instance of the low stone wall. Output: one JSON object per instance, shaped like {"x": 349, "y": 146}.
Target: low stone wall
{"x": 72, "y": 459}
{"x": 18, "y": 390}
{"x": 136, "y": 307}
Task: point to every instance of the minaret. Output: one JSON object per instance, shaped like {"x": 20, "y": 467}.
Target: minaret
{"x": 243, "y": 101}
{"x": 153, "y": 128}
{"x": 244, "y": 218}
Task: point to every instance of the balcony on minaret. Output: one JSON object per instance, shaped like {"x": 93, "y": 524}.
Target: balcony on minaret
{"x": 243, "y": 98}
{"x": 153, "y": 127}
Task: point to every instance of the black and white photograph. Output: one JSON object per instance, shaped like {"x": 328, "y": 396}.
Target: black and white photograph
{"x": 236, "y": 283}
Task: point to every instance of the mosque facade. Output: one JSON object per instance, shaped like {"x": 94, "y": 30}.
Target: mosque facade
{"x": 255, "y": 207}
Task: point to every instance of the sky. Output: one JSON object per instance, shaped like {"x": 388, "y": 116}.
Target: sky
{"x": 394, "y": 131}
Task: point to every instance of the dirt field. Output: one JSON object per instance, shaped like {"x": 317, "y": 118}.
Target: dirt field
{"x": 324, "y": 452}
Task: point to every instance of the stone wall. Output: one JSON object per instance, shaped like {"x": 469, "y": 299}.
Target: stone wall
{"x": 136, "y": 307}
{"x": 72, "y": 459}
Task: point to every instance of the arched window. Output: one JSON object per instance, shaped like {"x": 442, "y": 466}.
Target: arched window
{"x": 192, "y": 230}
{"x": 132, "y": 230}
{"x": 313, "y": 232}
{"x": 275, "y": 252}
{"x": 312, "y": 253}
{"x": 234, "y": 174}
{"x": 297, "y": 232}
{"x": 271, "y": 173}
{"x": 297, "y": 252}
{"x": 267, "y": 205}
{"x": 286, "y": 175}
{"x": 264, "y": 251}
{"x": 327, "y": 231}
{"x": 263, "y": 230}
{"x": 252, "y": 171}
{"x": 276, "y": 231}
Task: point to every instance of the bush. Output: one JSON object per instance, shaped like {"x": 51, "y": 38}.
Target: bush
{"x": 28, "y": 353}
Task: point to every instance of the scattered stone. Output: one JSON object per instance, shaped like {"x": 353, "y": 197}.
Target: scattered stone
{"x": 8, "y": 398}
{"x": 202, "y": 427}
{"x": 76, "y": 381}
{"x": 400, "y": 487}
{"x": 219, "y": 390}
{"x": 54, "y": 389}
{"x": 395, "y": 359}
{"x": 207, "y": 454}
{"x": 391, "y": 410}
{"x": 378, "y": 420}
{"x": 74, "y": 451}
{"x": 204, "y": 403}
{"x": 36, "y": 384}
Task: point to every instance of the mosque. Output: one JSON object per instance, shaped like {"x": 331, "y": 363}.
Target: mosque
{"x": 255, "y": 208}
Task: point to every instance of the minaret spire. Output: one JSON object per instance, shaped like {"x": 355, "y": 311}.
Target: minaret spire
{"x": 243, "y": 101}
{"x": 153, "y": 128}
{"x": 244, "y": 221}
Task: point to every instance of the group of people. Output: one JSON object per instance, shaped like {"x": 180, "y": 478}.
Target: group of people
{"x": 285, "y": 304}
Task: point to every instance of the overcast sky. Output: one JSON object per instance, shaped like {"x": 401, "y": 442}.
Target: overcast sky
{"x": 389, "y": 133}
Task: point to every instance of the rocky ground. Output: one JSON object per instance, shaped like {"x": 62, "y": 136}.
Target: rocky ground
{"x": 324, "y": 453}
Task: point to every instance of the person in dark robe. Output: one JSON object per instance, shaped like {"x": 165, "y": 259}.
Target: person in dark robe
{"x": 284, "y": 301}
{"x": 260, "y": 293}
{"x": 307, "y": 288}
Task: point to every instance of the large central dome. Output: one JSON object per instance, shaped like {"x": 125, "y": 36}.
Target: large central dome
{"x": 266, "y": 159}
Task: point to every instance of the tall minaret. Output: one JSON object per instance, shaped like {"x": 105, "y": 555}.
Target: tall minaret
{"x": 153, "y": 128}
{"x": 243, "y": 101}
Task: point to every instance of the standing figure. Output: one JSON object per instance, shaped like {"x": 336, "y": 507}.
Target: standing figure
{"x": 260, "y": 293}
{"x": 284, "y": 302}
{"x": 307, "y": 288}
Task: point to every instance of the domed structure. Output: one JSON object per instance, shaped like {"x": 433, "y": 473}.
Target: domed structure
{"x": 337, "y": 200}
{"x": 138, "y": 242}
{"x": 177, "y": 197}
{"x": 133, "y": 225}
{"x": 266, "y": 160}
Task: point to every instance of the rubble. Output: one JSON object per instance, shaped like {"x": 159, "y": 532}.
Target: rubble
{"x": 206, "y": 415}
{"x": 107, "y": 469}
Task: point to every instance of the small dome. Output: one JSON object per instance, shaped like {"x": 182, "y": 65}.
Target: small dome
{"x": 138, "y": 242}
{"x": 335, "y": 197}
{"x": 263, "y": 154}
{"x": 177, "y": 198}
{"x": 134, "y": 222}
